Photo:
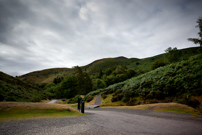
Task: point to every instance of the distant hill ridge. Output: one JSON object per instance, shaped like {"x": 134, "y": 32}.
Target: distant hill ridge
{"x": 140, "y": 65}
{"x": 120, "y": 57}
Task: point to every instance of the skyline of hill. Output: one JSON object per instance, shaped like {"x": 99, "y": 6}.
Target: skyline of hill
{"x": 140, "y": 65}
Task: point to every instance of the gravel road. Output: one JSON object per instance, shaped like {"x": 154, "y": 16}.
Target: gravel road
{"x": 108, "y": 122}
{"x": 98, "y": 100}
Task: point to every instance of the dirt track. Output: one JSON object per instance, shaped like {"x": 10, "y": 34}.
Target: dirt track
{"x": 108, "y": 122}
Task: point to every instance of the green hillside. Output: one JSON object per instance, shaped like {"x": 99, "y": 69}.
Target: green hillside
{"x": 13, "y": 89}
{"x": 139, "y": 65}
{"x": 177, "y": 82}
{"x": 45, "y": 76}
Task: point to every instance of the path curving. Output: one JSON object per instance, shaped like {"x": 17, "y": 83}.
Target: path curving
{"x": 54, "y": 101}
{"x": 96, "y": 104}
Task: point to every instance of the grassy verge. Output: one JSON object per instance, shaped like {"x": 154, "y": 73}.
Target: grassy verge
{"x": 164, "y": 107}
{"x": 107, "y": 102}
{"x": 19, "y": 110}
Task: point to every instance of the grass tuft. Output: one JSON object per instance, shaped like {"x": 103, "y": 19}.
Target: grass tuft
{"x": 20, "y": 110}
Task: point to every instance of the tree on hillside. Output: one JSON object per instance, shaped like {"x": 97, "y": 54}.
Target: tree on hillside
{"x": 198, "y": 40}
{"x": 87, "y": 86}
{"x": 58, "y": 80}
{"x": 100, "y": 84}
{"x": 172, "y": 54}
{"x": 83, "y": 81}
{"x": 68, "y": 87}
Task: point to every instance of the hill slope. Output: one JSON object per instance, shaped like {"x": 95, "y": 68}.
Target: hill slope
{"x": 13, "y": 89}
{"x": 179, "y": 82}
{"x": 140, "y": 65}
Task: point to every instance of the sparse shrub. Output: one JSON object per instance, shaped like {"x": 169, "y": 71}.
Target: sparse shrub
{"x": 186, "y": 99}
{"x": 73, "y": 100}
{"x": 126, "y": 97}
{"x": 89, "y": 99}
{"x": 193, "y": 103}
{"x": 140, "y": 71}
{"x": 100, "y": 84}
{"x": 153, "y": 101}
{"x": 172, "y": 54}
{"x": 103, "y": 95}
{"x": 117, "y": 97}
{"x": 118, "y": 92}
{"x": 159, "y": 95}
{"x": 158, "y": 63}
{"x": 132, "y": 102}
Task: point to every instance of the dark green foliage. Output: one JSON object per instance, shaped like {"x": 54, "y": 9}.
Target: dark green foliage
{"x": 117, "y": 96}
{"x": 103, "y": 95}
{"x": 84, "y": 82}
{"x": 193, "y": 103}
{"x": 172, "y": 80}
{"x": 157, "y": 63}
{"x": 172, "y": 55}
{"x": 159, "y": 94}
{"x": 76, "y": 84}
{"x": 92, "y": 94}
{"x": 58, "y": 80}
{"x": 52, "y": 90}
{"x": 68, "y": 87}
{"x": 111, "y": 75}
{"x": 100, "y": 84}
{"x": 89, "y": 98}
{"x": 186, "y": 99}
{"x": 41, "y": 85}
{"x": 74, "y": 99}
{"x": 131, "y": 102}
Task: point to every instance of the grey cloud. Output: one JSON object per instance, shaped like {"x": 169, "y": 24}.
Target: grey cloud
{"x": 38, "y": 34}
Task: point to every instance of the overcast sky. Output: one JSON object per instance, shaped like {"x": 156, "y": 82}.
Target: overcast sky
{"x": 41, "y": 34}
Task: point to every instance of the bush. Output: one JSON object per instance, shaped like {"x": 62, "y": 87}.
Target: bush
{"x": 186, "y": 99}
{"x": 118, "y": 92}
{"x": 193, "y": 103}
{"x": 172, "y": 54}
{"x": 131, "y": 102}
{"x": 159, "y": 95}
{"x": 100, "y": 84}
{"x": 103, "y": 95}
{"x": 90, "y": 98}
{"x": 117, "y": 97}
{"x": 158, "y": 63}
{"x": 74, "y": 100}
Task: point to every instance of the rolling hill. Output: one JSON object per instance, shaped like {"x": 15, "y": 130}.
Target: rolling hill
{"x": 45, "y": 76}
{"x": 140, "y": 65}
{"x": 176, "y": 82}
{"x": 13, "y": 89}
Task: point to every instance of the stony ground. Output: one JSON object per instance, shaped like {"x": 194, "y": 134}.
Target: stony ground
{"x": 108, "y": 122}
